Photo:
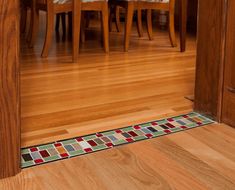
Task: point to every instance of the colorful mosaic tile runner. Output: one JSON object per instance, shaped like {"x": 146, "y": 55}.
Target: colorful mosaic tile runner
{"x": 104, "y": 140}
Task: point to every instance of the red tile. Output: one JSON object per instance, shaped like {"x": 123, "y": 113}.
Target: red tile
{"x": 199, "y": 123}
{"x": 34, "y": 149}
{"x": 38, "y": 161}
{"x": 99, "y": 135}
{"x": 79, "y": 139}
{"x": 118, "y": 131}
{"x": 64, "y": 155}
{"x": 149, "y": 135}
{"x": 88, "y": 150}
{"x": 183, "y": 127}
{"x": 129, "y": 140}
{"x": 132, "y": 133}
{"x": 57, "y": 144}
{"x": 44, "y": 153}
{"x": 92, "y": 143}
{"x": 185, "y": 116}
{"x": 109, "y": 145}
{"x": 170, "y": 119}
{"x": 167, "y": 131}
{"x": 137, "y": 127}
{"x": 154, "y": 123}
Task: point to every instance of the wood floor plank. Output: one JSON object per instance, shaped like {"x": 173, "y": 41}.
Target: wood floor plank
{"x": 177, "y": 161}
{"x": 113, "y": 90}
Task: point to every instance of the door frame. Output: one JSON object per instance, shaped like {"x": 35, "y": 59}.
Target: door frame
{"x": 208, "y": 85}
{"x": 9, "y": 89}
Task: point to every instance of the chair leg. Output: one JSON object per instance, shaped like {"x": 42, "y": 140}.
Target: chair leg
{"x": 128, "y": 24}
{"x": 49, "y": 32}
{"x": 76, "y": 24}
{"x": 32, "y": 7}
{"x": 57, "y": 25}
{"x": 105, "y": 25}
{"x": 23, "y": 18}
{"x": 34, "y": 26}
{"x": 111, "y": 10}
{"x": 83, "y": 27}
{"x": 63, "y": 18}
{"x": 149, "y": 24}
{"x": 87, "y": 19}
{"x": 139, "y": 23}
{"x": 172, "y": 29}
{"x": 70, "y": 33}
{"x": 117, "y": 19}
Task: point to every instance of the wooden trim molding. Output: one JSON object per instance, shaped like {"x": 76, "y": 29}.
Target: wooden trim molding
{"x": 210, "y": 57}
{"x": 9, "y": 89}
{"x": 228, "y": 109}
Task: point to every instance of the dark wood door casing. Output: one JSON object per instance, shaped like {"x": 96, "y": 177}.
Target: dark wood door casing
{"x": 210, "y": 57}
{"x": 228, "y": 111}
{"x": 9, "y": 89}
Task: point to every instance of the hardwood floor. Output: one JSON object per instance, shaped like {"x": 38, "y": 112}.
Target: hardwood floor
{"x": 102, "y": 91}
{"x": 201, "y": 158}
{"x": 61, "y": 99}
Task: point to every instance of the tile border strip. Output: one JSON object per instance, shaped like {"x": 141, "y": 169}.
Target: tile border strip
{"x": 82, "y": 145}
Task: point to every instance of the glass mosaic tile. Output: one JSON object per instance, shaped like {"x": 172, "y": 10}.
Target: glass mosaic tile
{"x": 63, "y": 149}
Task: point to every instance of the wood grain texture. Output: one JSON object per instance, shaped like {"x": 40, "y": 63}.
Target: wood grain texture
{"x": 228, "y": 114}
{"x": 200, "y": 158}
{"x": 100, "y": 91}
{"x": 210, "y": 57}
{"x": 9, "y": 92}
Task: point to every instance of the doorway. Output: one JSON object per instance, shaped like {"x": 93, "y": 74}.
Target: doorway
{"x": 61, "y": 100}
{"x": 10, "y": 133}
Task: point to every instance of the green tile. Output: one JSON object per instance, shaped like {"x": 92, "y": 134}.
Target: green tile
{"x": 43, "y": 147}
{"x": 140, "y": 133}
{"x": 52, "y": 158}
{"x": 69, "y": 142}
{"x": 127, "y": 129}
{"x": 202, "y": 118}
{"x": 176, "y": 129}
{"x": 206, "y": 121}
{"x": 119, "y": 142}
{"x": 178, "y": 118}
{"x": 191, "y": 125}
{"x": 99, "y": 147}
{"x": 24, "y": 151}
{"x": 77, "y": 152}
{"x": 193, "y": 114}
{"x": 162, "y": 122}
{"x": 146, "y": 125}
{"x": 137, "y": 138}
{"x": 108, "y": 133}
{"x": 89, "y": 137}
{"x": 26, "y": 164}
{"x": 158, "y": 133}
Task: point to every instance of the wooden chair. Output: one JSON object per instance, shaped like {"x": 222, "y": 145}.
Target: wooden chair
{"x": 53, "y": 7}
{"x": 149, "y": 5}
